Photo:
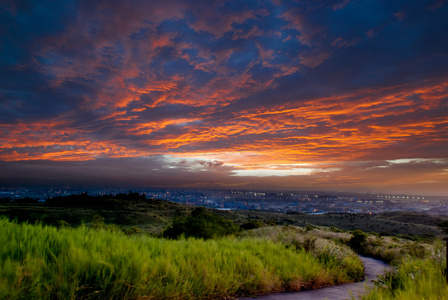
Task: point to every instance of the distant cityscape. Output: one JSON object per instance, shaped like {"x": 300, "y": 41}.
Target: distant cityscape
{"x": 273, "y": 201}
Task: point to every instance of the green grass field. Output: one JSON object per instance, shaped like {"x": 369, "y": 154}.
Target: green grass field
{"x": 43, "y": 262}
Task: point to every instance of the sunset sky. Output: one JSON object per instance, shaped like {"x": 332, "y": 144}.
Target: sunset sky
{"x": 347, "y": 95}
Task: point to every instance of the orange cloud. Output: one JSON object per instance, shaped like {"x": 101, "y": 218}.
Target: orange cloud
{"x": 313, "y": 133}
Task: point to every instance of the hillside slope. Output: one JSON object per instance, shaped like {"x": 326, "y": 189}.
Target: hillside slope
{"x": 151, "y": 216}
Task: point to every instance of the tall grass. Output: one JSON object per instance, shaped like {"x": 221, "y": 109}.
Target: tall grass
{"x": 40, "y": 262}
{"x": 393, "y": 249}
{"x": 338, "y": 258}
{"x": 415, "y": 277}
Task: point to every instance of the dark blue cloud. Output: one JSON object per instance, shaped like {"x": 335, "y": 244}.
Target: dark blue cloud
{"x": 170, "y": 112}
{"x": 26, "y": 94}
{"x": 24, "y": 23}
{"x": 396, "y": 52}
{"x": 25, "y": 91}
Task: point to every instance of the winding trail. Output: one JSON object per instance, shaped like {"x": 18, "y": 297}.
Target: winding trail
{"x": 373, "y": 267}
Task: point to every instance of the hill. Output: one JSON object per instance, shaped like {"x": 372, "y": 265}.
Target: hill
{"x": 151, "y": 215}
{"x": 123, "y": 210}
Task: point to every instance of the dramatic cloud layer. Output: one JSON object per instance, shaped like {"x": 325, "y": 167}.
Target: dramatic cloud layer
{"x": 346, "y": 95}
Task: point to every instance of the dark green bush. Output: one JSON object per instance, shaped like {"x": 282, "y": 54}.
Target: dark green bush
{"x": 357, "y": 241}
{"x": 251, "y": 225}
{"x": 200, "y": 224}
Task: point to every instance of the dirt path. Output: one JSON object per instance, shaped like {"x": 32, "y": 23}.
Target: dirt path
{"x": 372, "y": 266}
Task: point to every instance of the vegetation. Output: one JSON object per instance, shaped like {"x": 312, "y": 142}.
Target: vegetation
{"x": 42, "y": 262}
{"x": 415, "y": 277}
{"x": 200, "y": 224}
{"x": 252, "y": 224}
{"x": 153, "y": 216}
{"x": 336, "y": 256}
{"x": 99, "y": 247}
{"x": 357, "y": 241}
{"x": 418, "y": 264}
{"x": 391, "y": 249}
{"x": 123, "y": 211}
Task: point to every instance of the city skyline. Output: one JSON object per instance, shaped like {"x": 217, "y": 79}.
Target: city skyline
{"x": 282, "y": 95}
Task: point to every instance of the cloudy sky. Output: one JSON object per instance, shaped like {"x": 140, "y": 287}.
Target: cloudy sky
{"x": 348, "y": 95}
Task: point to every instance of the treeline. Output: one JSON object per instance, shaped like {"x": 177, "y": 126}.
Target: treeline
{"x": 20, "y": 200}
{"x": 87, "y": 199}
{"x": 80, "y": 199}
{"x": 83, "y": 197}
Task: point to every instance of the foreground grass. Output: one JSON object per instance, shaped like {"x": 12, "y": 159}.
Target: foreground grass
{"x": 418, "y": 265}
{"x": 413, "y": 279}
{"x": 418, "y": 271}
{"x": 325, "y": 245}
{"x": 40, "y": 262}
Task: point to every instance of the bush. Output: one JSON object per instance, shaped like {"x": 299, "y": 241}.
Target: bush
{"x": 200, "y": 224}
{"x": 357, "y": 241}
{"x": 251, "y": 225}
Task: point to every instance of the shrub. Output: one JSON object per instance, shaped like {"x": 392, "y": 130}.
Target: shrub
{"x": 251, "y": 225}
{"x": 200, "y": 224}
{"x": 357, "y": 241}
